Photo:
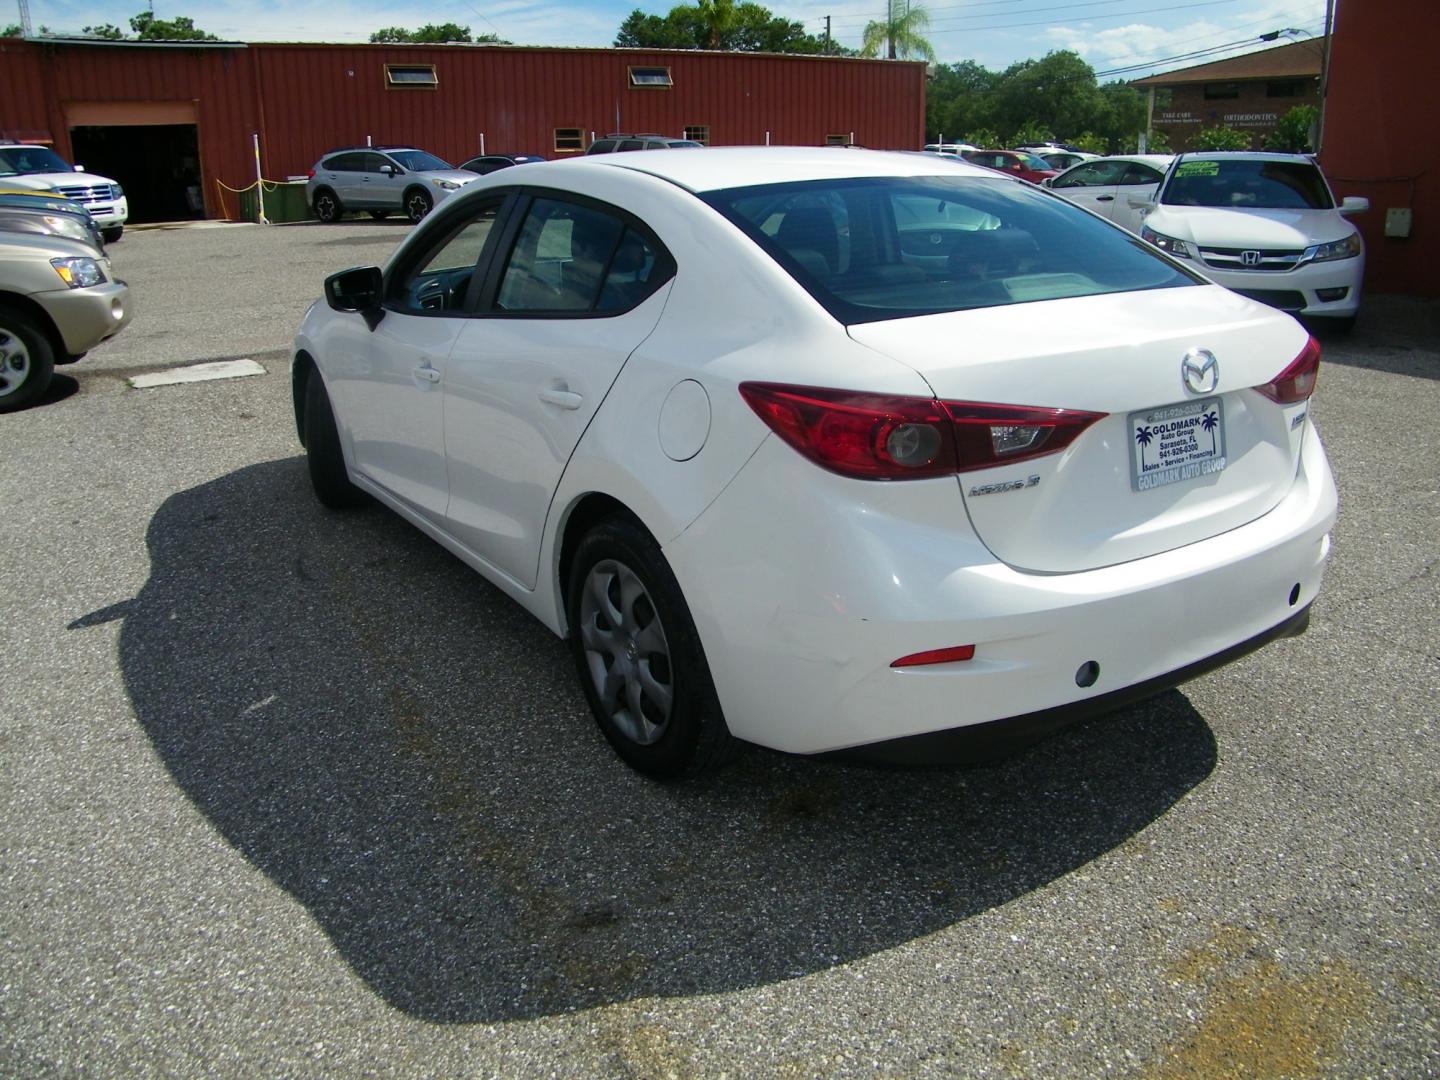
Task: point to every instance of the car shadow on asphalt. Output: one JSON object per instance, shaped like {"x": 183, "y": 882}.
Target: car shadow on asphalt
{"x": 405, "y": 751}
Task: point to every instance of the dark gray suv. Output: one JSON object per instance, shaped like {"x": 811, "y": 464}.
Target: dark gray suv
{"x": 615, "y": 143}
{"x": 381, "y": 180}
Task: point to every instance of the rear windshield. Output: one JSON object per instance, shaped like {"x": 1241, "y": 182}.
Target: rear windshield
{"x": 419, "y": 161}
{"x": 1269, "y": 185}
{"x": 891, "y": 247}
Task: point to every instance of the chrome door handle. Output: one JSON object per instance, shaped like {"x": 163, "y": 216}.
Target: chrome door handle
{"x": 426, "y": 372}
{"x": 563, "y": 398}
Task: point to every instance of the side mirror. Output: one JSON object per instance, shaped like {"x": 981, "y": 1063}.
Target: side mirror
{"x": 1354, "y": 204}
{"x": 1139, "y": 202}
{"x": 360, "y": 289}
{"x": 1047, "y": 181}
{"x": 389, "y": 170}
{"x": 79, "y": 168}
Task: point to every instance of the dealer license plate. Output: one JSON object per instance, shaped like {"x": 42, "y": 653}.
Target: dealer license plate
{"x": 1176, "y": 442}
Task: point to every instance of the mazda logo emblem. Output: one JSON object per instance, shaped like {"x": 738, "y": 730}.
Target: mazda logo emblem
{"x": 1249, "y": 258}
{"x": 1200, "y": 371}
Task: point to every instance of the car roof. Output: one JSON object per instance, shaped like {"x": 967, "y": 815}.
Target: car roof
{"x": 1244, "y": 155}
{"x": 747, "y": 166}
{"x": 1160, "y": 161}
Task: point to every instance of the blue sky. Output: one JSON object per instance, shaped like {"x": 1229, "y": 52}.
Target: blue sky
{"x": 1108, "y": 33}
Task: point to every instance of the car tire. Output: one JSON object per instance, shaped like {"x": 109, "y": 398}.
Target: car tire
{"x": 327, "y": 206}
{"x": 323, "y": 454}
{"x": 379, "y": 215}
{"x": 27, "y": 362}
{"x": 417, "y": 204}
{"x": 634, "y": 643}
{"x": 112, "y": 235}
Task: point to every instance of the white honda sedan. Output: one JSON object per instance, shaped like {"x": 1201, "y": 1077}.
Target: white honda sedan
{"x": 769, "y": 435}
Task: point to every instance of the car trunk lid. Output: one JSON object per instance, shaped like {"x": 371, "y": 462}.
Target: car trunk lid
{"x": 1167, "y": 465}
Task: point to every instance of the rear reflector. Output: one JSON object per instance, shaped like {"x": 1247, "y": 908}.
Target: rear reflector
{"x": 1296, "y": 382}
{"x": 937, "y": 656}
{"x": 898, "y": 437}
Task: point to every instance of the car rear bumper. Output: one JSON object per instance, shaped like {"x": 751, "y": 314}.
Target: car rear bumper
{"x": 86, "y": 317}
{"x": 801, "y": 657}
{"x": 982, "y": 742}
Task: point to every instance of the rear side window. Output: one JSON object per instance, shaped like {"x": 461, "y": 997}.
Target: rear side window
{"x": 1268, "y": 185}
{"x": 574, "y": 259}
{"x": 891, "y": 247}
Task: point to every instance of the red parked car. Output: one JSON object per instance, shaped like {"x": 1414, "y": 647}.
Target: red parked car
{"x": 1019, "y": 163}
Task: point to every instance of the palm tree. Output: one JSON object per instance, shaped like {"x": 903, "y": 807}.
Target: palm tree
{"x": 902, "y": 32}
{"x": 717, "y": 19}
{"x": 1144, "y": 436}
{"x": 1210, "y": 422}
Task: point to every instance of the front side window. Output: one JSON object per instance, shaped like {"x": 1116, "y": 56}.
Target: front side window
{"x": 419, "y": 161}
{"x": 573, "y": 259}
{"x": 1091, "y": 174}
{"x": 891, "y": 247}
{"x": 440, "y": 281}
{"x": 25, "y": 160}
{"x": 1267, "y": 185}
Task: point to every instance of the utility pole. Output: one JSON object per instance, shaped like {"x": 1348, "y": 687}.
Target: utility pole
{"x": 827, "y": 31}
{"x": 26, "y": 30}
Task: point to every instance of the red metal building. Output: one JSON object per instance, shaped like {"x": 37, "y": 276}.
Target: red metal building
{"x": 170, "y": 119}
{"x": 1380, "y": 138}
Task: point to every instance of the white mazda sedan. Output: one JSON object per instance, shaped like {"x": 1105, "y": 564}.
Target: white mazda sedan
{"x": 770, "y": 435}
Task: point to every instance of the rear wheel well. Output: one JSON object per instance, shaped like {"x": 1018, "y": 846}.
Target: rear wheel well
{"x": 29, "y": 309}
{"x": 588, "y": 512}
{"x": 300, "y": 374}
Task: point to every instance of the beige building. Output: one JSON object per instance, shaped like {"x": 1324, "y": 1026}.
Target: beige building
{"x": 1249, "y": 93}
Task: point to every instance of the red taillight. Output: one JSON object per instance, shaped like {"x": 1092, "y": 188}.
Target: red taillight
{"x": 895, "y": 437}
{"x": 312, "y": 174}
{"x": 1296, "y": 382}
{"x": 866, "y": 436}
{"x": 990, "y": 435}
{"x": 937, "y": 656}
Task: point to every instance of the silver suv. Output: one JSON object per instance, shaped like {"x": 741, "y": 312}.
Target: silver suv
{"x": 381, "y": 180}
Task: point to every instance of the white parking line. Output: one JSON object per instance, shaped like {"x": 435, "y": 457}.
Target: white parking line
{"x": 222, "y": 369}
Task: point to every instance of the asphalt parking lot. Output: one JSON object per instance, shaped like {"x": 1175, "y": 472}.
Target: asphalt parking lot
{"x": 290, "y": 793}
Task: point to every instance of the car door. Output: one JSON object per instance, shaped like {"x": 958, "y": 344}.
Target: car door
{"x": 1092, "y": 185}
{"x": 341, "y": 173}
{"x": 1138, "y": 179}
{"x": 581, "y": 288}
{"x": 389, "y": 388}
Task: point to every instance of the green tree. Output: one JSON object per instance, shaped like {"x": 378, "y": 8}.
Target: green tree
{"x": 13, "y": 30}
{"x": 1091, "y": 143}
{"x": 1220, "y": 137}
{"x": 745, "y": 27}
{"x": 983, "y": 138}
{"x": 180, "y": 28}
{"x": 901, "y": 33}
{"x": 105, "y": 31}
{"x": 1121, "y": 117}
{"x": 956, "y": 98}
{"x": 1057, "y": 91}
{"x": 1292, "y": 133}
{"x": 1031, "y": 133}
{"x": 433, "y": 34}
